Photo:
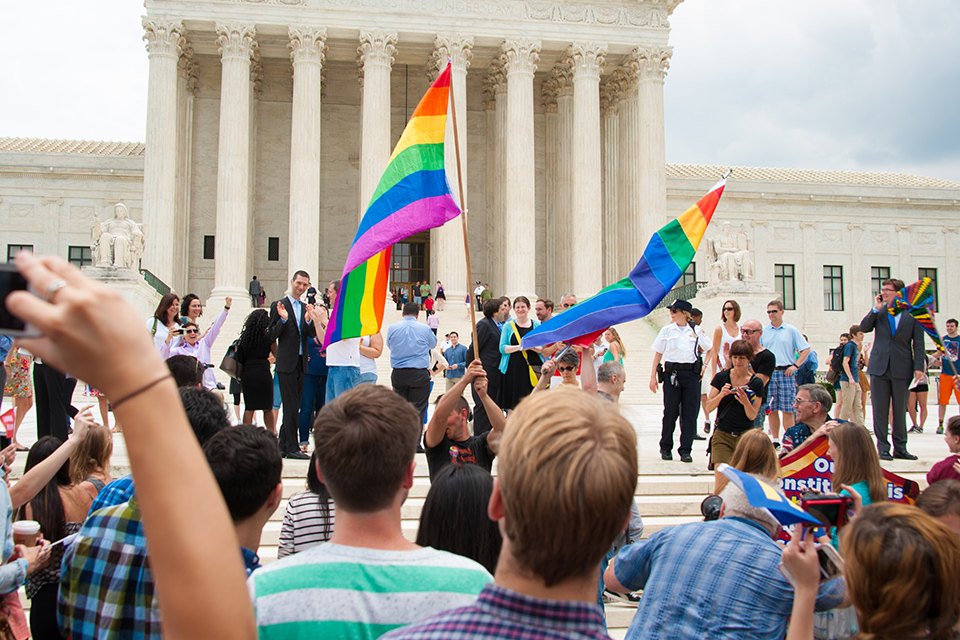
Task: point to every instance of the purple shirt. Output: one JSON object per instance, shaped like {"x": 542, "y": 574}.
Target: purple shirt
{"x": 201, "y": 350}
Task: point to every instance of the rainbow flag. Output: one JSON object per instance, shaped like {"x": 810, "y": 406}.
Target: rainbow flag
{"x": 413, "y": 195}
{"x": 666, "y": 257}
{"x": 917, "y": 300}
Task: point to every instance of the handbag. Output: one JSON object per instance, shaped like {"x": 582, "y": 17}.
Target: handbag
{"x": 832, "y": 376}
{"x": 534, "y": 379}
{"x": 230, "y": 365}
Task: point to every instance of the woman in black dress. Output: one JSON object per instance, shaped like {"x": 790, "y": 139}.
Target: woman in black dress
{"x": 257, "y": 383}
{"x": 520, "y": 369}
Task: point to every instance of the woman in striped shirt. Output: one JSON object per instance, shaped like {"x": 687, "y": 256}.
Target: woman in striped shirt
{"x": 308, "y": 520}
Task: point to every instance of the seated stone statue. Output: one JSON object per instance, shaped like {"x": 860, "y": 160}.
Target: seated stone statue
{"x": 117, "y": 242}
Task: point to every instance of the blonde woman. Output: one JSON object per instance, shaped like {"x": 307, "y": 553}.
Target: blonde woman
{"x": 616, "y": 352}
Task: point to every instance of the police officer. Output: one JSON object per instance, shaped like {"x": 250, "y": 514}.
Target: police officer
{"x": 679, "y": 345}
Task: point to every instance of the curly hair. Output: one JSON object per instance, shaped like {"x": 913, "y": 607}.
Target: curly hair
{"x": 254, "y": 333}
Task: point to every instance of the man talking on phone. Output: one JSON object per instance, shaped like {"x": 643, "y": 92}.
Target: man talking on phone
{"x": 896, "y": 357}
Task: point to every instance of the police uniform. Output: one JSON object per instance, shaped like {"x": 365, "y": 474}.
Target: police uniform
{"x": 681, "y": 348}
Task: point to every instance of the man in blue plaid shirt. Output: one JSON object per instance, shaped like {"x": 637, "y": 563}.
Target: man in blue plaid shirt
{"x": 567, "y": 474}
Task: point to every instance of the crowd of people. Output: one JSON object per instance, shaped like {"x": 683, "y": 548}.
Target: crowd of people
{"x": 173, "y": 548}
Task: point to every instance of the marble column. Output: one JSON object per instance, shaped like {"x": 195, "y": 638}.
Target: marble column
{"x": 609, "y": 97}
{"x": 562, "y": 265}
{"x": 551, "y": 133}
{"x": 164, "y": 39}
{"x": 187, "y": 80}
{"x": 499, "y": 76}
{"x": 307, "y": 50}
{"x": 653, "y": 63}
{"x": 236, "y": 44}
{"x": 810, "y": 301}
{"x": 586, "y": 61}
{"x": 375, "y": 61}
{"x": 447, "y": 251}
{"x": 630, "y": 240}
{"x": 860, "y": 269}
{"x": 490, "y": 158}
{"x": 520, "y": 59}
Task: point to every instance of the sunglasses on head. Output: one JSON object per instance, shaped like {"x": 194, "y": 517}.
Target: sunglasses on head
{"x": 565, "y": 368}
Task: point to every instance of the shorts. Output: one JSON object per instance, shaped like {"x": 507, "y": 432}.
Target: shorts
{"x": 722, "y": 446}
{"x": 921, "y": 388}
{"x": 782, "y": 392}
{"x": 946, "y": 387}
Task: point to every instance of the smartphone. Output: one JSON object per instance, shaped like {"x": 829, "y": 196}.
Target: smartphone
{"x": 177, "y": 332}
{"x": 831, "y": 509}
{"x": 831, "y": 565}
{"x": 10, "y": 325}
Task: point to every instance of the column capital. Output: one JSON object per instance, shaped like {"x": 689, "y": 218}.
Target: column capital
{"x": 548, "y": 93}
{"x": 624, "y": 79}
{"x": 457, "y": 48}
{"x": 256, "y": 72}
{"x": 163, "y": 36}
{"x": 610, "y": 95}
{"x": 188, "y": 69}
{"x": 651, "y": 63}
{"x": 560, "y": 78}
{"x": 520, "y": 55}
{"x": 585, "y": 59}
{"x": 307, "y": 44}
{"x": 489, "y": 94}
{"x": 236, "y": 40}
{"x": 376, "y": 48}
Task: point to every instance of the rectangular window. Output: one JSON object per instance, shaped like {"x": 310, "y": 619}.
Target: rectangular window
{"x": 832, "y": 288}
{"x": 877, "y": 276}
{"x": 209, "y": 244}
{"x": 79, "y": 256}
{"x": 689, "y": 276}
{"x": 785, "y": 285}
{"x": 273, "y": 249}
{"x": 927, "y": 272}
{"x": 13, "y": 249}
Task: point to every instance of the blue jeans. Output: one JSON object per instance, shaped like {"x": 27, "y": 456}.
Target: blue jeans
{"x": 276, "y": 391}
{"x": 340, "y": 379}
{"x": 312, "y": 400}
{"x": 367, "y": 378}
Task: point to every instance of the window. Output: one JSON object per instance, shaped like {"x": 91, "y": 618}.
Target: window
{"x": 784, "y": 282}
{"x": 13, "y": 249}
{"x": 273, "y": 249}
{"x": 832, "y": 288}
{"x": 689, "y": 276}
{"x": 409, "y": 262}
{"x": 927, "y": 272}
{"x": 877, "y": 276}
{"x": 79, "y": 256}
{"x": 209, "y": 244}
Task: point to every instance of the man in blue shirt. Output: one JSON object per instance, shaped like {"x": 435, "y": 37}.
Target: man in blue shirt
{"x": 790, "y": 350}
{"x": 410, "y": 343}
{"x": 456, "y": 356}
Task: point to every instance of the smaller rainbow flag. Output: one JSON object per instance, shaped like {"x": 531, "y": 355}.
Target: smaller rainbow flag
{"x": 665, "y": 258}
{"x": 413, "y": 195}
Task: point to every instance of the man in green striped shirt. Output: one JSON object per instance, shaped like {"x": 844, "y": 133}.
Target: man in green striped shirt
{"x": 368, "y": 579}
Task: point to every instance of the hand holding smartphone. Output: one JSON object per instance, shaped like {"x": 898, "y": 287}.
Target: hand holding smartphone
{"x": 11, "y": 280}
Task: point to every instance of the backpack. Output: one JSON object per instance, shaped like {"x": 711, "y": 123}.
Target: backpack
{"x": 836, "y": 364}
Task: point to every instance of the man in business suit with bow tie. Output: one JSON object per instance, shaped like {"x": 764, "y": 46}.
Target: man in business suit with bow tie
{"x": 897, "y": 355}
{"x": 292, "y": 323}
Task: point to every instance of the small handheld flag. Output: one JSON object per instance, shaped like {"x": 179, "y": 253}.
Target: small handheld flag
{"x": 8, "y": 418}
{"x": 764, "y": 496}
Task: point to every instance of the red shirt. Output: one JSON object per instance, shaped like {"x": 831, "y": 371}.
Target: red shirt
{"x": 944, "y": 470}
{"x": 428, "y": 303}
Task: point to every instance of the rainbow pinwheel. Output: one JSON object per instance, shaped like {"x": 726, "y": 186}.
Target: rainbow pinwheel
{"x": 917, "y": 300}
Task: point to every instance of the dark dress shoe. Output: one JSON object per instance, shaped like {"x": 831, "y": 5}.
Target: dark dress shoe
{"x": 686, "y": 458}
{"x": 666, "y": 455}
{"x": 904, "y": 455}
{"x": 698, "y": 437}
{"x": 296, "y": 455}
{"x": 886, "y": 456}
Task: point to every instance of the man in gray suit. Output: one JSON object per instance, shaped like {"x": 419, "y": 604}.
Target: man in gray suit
{"x": 896, "y": 355}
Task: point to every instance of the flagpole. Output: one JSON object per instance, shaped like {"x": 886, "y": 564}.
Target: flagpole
{"x": 463, "y": 221}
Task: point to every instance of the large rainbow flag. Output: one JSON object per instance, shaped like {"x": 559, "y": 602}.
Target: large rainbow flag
{"x": 666, "y": 257}
{"x": 413, "y": 195}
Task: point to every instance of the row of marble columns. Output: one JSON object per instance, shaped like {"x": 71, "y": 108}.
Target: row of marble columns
{"x": 599, "y": 168}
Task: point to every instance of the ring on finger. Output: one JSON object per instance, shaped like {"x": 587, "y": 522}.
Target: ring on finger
{"x": 53, "y": 287}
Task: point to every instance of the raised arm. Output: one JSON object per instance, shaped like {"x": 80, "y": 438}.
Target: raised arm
{"x": 37, "y": 478}
{"x": 211, "y": 335}
{"x": 448, "y": 402}
{"x": 494, "y": 412}
{"x": 200, "y": 578}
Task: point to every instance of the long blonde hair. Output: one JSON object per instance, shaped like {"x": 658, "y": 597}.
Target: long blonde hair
{"x": 92, "y": 454}
{"x": 754, "y": 454}
{"x": 857, "y": 460}
{"x": 619, "y": 341}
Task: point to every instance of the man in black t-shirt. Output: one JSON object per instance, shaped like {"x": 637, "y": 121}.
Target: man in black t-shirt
{"x": 448, "y": 436}
{"x": 763, "y": 363}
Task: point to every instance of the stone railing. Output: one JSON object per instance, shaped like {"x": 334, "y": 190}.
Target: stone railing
{"x": 684, "y": 291}
{"x": 158, "y": 285}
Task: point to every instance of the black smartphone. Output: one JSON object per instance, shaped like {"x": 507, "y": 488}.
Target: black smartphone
{"x": 11, "y": 280}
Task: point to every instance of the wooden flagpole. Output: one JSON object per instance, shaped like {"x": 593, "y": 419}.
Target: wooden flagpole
{"x": 463, "y": 221}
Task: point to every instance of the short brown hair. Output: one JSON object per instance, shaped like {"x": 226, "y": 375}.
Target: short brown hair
{"x": 776, "y": 303}
{"x": 366, "y": 439}
{"x": 741, "y": 348}
{"x": 547, "y": 303}
{"x": 901, "y": 570}
{"x": 942, "y": 498}
{"x": 896, "y": 283}
{"x": 567, "y": 475}
{"x": 854, "y": 330}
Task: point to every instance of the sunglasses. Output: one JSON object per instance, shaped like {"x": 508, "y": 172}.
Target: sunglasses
{"x": 749, "y": 331}
{"x": 770, "y": 312}
{"x": 567, "y": 305}
{"x": 728, "y": 309}
{"x": 565, "y": 368}
{"x": 190, "y": 331}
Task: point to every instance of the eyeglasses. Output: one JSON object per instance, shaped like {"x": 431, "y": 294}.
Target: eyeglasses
{"x": 770, "y": 312}
{"x": 728, "y": 308}
{"x": 797, "y": 401}
{"x": 565, "y": 368}
{"x": 749, "y": 331}
{"x": 885, "y": 290}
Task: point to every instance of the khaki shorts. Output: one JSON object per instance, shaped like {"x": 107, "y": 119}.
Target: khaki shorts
{"x": 722, "y": 446}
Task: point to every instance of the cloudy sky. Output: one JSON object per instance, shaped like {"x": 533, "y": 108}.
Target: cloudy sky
{"x": 858, "y": 84}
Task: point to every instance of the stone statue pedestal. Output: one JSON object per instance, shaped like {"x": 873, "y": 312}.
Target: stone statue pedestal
{"x": 753, "y": 297}
{"x": 131, "y": 286}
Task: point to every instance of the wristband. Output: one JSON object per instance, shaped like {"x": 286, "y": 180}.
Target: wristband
{"x": 142, "y": 389}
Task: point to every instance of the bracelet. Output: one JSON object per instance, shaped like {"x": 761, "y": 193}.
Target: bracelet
{"x": 146, "y": 387}
{"x": 226, "y": 308}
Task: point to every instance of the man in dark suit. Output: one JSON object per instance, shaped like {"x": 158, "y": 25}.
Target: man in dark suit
{"x": 291, "y": 325}
{"x": 488, "y": 338}
{"x": 897, "y": 355}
